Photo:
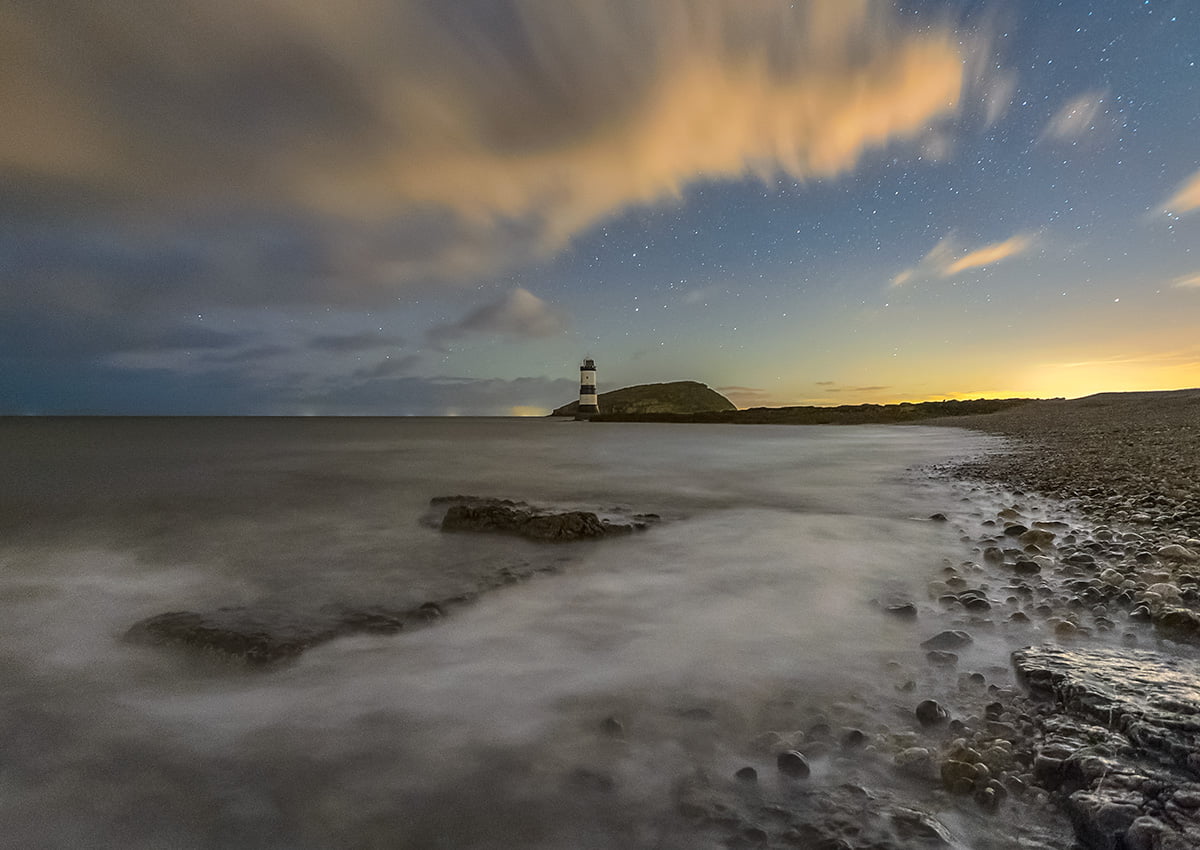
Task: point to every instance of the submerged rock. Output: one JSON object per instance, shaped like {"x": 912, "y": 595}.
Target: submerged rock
{"x": 503, "y": 516}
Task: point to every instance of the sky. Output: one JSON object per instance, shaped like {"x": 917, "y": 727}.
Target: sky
{"x": 440, "y": 207}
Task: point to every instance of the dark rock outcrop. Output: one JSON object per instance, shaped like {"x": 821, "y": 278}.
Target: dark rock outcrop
{"x": 504, "y": 516}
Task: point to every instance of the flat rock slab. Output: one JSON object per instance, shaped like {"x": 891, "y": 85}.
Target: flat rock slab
{"x": 521, "y": 519}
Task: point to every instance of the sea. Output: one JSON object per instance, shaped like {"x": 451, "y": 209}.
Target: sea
{"x": 566, "y": 710}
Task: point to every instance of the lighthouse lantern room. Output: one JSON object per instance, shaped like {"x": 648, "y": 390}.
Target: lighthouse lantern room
{"x": 588, "y": 403}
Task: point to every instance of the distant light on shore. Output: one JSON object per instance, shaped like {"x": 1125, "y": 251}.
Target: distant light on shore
{"x": 528, "y": 410}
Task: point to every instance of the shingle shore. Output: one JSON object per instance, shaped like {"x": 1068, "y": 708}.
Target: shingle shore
{"x": 1127, "y": 458}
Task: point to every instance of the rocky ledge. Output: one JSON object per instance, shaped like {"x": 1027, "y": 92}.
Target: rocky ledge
{"x": 504, "y": 516}
{"x": 1117, "y": 740}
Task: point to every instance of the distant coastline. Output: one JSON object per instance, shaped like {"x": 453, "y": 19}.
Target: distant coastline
{"x": 847, "y": 414}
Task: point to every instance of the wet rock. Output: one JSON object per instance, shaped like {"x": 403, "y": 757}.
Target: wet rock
{"x": 938, "y": 517}
{"x": 1178, "y": 623}
{"x": 1145, "y": 833}
{"x": 502, "y": 516}
{"x": 916, "y": 761}
{"x": 1175, "y": 552}
{"x": 930, "y": 713}
{"x": 1036, "y": 537}
{"x": 1102, "y": 820}
{"x": 612, "y": 727}
{"x": 792, "y": 763}
{"x": 974, "y": 600}
{"x": 919, "y": 826}
{"x": 268, "y": 635}
{"x": 904, "y": 610}
{"x": 747, "y": 774}
{"x": 430, "y": 611}
{"x": 959, "y": 777}
{"x": 255, "y": 637}
{"x": 1150, "y": 698}
{"x": 941, "y": 657}
{"x": 949, "y": 639}
{"x": 853, "y": 739}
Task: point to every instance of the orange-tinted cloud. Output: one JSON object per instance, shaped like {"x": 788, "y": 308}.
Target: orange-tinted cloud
{"x": 520, "y": 135}
{"x": 1186, "y": 197}
{"x": 947, "y": 258}
{"x": 1187, "y": 281}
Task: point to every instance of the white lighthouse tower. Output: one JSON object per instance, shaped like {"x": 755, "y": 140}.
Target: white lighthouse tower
{"x": 588, "y": 404}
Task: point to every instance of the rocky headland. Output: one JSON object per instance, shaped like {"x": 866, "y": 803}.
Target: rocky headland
{"x": 672, "y": 398}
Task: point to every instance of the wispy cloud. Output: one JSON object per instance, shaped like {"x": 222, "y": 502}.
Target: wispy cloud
{"x": 1190, "y": 356}
{"x": 1076, "y": 117}
{"x": 997, "y": 96}
{"x": 947, "y": 258}
{"x": 518, "y": 315}
{"x": 743, "y": 397}
{"x": 1187, "y": 281}
{"x": 353, "y": 343}
{"x": 1186, "y": 197}
{"x": 389, "y": 367}
{"x": 990, "y": 254}
{"x": 857, "y": 389}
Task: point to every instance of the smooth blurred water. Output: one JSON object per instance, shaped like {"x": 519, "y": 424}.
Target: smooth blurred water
{"x": 747, "y": 608}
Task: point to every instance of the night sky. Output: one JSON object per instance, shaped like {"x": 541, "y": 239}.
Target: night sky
{"x": 440, "y": 207}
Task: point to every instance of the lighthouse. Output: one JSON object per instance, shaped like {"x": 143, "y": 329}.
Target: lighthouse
{"x": 588, "y": 404}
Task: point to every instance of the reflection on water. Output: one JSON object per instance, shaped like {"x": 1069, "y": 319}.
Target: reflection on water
{"x": 559, "y": 712}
